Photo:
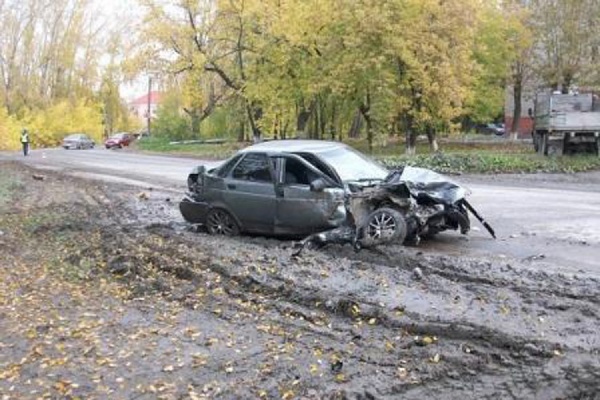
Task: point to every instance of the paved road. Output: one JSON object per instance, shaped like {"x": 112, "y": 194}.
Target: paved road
{"x": 534, "y": 220}
{"x": 115, "y": 165}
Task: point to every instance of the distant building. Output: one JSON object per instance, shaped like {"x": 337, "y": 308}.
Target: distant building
{"x": 525, "y": 122}
{"x": 139, "y": 106}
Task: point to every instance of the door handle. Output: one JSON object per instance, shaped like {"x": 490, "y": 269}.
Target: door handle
{"x": 231, "y": 186}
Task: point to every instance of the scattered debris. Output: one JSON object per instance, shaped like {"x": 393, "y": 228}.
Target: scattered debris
{"x": 417, "y": 273}
{"x": 535, "y": 257}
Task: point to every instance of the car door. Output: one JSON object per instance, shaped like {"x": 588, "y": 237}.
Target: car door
{"x": 300, "y": 210}
{"x": 249, "y": 193}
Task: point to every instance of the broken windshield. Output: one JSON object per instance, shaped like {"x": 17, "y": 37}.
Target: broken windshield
{"x": 353, "y": 166}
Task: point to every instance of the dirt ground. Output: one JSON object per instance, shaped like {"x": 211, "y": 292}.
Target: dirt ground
{"x": 106, "y": 293}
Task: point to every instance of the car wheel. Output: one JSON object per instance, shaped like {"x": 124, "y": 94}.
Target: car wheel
{"x": 220, "y": 222}
{"x": 383, "y": 226}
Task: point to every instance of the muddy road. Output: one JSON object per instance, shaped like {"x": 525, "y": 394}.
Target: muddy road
{"x": 106, "y": 293}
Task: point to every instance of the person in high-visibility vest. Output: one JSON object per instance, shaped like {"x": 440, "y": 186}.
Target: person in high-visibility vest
{"x": 25, "y": 141}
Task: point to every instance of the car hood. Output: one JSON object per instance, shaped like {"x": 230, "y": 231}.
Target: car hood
{"x": 425, "y": 182}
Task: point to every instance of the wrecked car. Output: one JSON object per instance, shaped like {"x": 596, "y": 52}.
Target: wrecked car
{"x": 325, "y": 192}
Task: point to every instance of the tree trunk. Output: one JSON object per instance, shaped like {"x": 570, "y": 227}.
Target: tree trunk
{"x": 411, "y": 142}
{"x": 195, "y": 124}
{"x": 242, "y": 131}
{"x": 517, "y": 94}
{"x": 431, "y": 137}
{"x": 354, "y": 131}
{"x": 254, "y": 114}
{"x": 303, "y": 115}
{"x": 332, "y": 122}
{"x": 410, "y": 135}
{"x": 322, "y": 120}
{"x": 365, "y": 109}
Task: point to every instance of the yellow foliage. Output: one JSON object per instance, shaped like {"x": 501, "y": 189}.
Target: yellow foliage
{"x": 48, "y": 127}
{"x": 9, "y": 131}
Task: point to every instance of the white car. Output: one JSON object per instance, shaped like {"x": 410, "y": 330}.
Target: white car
{"x": 78, "y": 141}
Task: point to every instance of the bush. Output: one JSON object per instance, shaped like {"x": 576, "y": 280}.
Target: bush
{"x": 494, "y": 163}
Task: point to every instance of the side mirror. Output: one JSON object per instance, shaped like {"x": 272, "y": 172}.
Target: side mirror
{"x": 199, "y": 170}
{"x": 318, "y": 185}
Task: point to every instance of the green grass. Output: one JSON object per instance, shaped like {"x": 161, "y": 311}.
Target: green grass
{"x": 466, "y": 154}
{"x": 202, "y": 150}
{"x": 493, "y": 163}
{"x": 8, "y": 186}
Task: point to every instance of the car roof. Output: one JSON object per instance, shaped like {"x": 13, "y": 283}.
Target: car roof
{"x": 294, "y": 146}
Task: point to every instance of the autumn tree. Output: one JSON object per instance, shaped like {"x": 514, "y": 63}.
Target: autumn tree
{"x": 51, "y": 55}
{"x": 317, "y": 69}
{"x": 567, "y": 41}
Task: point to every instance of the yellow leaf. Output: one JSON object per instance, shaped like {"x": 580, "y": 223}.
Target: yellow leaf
{"x": 287, "y": 395}
{"x": 389, "y": 346}
{"x": 427, "y": 340}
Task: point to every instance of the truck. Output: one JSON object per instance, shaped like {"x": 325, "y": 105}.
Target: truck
{"x": 566, "y": 123}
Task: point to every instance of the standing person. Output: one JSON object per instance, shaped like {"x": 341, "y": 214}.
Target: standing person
{"x": 25, "y": 141}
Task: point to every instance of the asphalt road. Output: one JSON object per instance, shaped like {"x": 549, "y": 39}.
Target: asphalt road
{"x": 551, "y": 225}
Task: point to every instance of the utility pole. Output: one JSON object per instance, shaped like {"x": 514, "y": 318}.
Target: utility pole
{"x": 148, "y": 113}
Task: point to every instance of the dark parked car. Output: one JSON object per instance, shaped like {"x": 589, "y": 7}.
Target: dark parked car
{"x": 78, "y": 141}
{"x": 302, "y": 187}
{"x": 490, "y": 129}
{"x": 119, "y": 140}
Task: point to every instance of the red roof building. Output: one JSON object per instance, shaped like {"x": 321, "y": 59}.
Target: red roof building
{"x": 139, "y": 106}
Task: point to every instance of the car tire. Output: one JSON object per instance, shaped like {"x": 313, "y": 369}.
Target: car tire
{"x": 383, "y": 225}
{"x": 221, "y": 222}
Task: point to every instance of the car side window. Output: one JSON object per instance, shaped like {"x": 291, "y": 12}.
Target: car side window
{"x": 318, "y": 164}
{"x": 224, "y": 169}
{"x": 253, "y": 167}
{"x": 297, "y": 173}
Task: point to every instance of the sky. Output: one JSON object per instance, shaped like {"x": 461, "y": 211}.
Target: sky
{"x": 124, "y": 12}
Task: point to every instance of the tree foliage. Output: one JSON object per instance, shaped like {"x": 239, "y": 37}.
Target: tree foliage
{"x": 329, "y": 69}
{"x": 51, "y": 69}
{"x": 567, "y": 48}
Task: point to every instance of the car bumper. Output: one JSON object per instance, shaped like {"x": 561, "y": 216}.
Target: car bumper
{"x": 193, "y": 211}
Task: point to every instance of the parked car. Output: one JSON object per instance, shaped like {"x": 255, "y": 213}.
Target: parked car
{"x": 491, "y": 128}
{"x": 78, "y": 141}
{"x": 118, "y": 140}
{"x": 325, "y": 190}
